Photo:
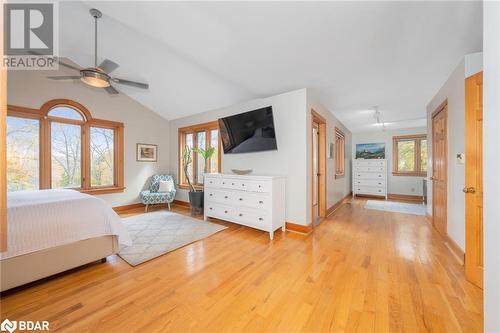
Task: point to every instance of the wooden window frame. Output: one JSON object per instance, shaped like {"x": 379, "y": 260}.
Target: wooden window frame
{"x": 339, "y": 153}
{"x": 194, "y": 129}
{"x": 45, "y": 120}
{"x": 395, "y": 155}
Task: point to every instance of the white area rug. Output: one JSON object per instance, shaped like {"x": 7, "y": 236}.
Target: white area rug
{"x": 154, "y": 234}
{"x": 397, "y": 207}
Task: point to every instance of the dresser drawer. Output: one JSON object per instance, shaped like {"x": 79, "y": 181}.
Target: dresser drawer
{"x": 258, "y": 218}
{"x": 369, "y": 169}
{"x": 216, "y": 210}
{"x": 369, "y": 175}
{"x": 252, "y": 201}
{"x": 210, "y": 183}
{"x": 369, "y": 190}
{"x": 368, "y": 182}
{"x": 359, "y": 162}
{"x": 238, "y": 199}
{"x": 248, "y": 217}
{"x": 239, "y": 184}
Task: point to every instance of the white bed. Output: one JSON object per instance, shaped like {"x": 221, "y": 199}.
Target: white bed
{"x": 50, "y": 231}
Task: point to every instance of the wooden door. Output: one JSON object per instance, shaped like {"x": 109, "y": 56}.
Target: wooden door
{"x": 315, "y": 172}
{"x": 474, "y": 179}
{"x": 318, "y": 167}
{"x": 440, "y": 169}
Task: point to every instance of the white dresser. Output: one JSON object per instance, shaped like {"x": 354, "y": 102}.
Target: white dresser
{"x": 369, "y": 177}
{"x": 253, "y": 201}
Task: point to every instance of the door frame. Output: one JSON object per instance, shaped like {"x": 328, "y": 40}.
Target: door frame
{"x": 443, "y": 107}
{"x": 321, "y": 121}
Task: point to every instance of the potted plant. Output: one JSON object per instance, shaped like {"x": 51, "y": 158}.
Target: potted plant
{"x": 195, "y": 197}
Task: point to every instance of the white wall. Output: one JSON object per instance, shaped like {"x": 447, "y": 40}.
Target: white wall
{"x": 453, "y": 90}
{"x": 292, "y": 118}
{"x": 395, "y": 184}
{"x": 491, "y": 146}
{"x": 338, "y": 188}
{"x": 32, "y": 89}
{"x": 289, "y": 118}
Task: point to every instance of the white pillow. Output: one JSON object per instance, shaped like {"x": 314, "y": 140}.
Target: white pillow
{"x": 166, "y": 186}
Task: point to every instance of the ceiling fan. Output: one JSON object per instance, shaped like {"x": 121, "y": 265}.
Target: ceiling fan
{"x": 98, "y": 76}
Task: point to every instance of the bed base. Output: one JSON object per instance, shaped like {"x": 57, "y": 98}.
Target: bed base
{"x": 30, "y": 267}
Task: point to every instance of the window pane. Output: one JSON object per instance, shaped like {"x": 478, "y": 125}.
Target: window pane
{"x": 101, "y": 156}
{"x": 66, "y": 155}
{"x": 201, "y": 142}
{"x": 214, "y": 142}
{"x": 423, "y": 155}
{"x": 189, "y": 143}
{"x": 22, "y": 154}
{"x": 65, "y": 112}
{"x": 406, "y": 155}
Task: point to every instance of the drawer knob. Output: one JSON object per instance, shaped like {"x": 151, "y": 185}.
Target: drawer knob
{"x": 260, "y": 186}
{"x": 242, "y": 184}
{"x": 241, "y": 199}
{"x": 232, "y": 183}
{"x": 261, "y": 219}
{"x": 223, "y": 183}
{"x": 261, "y": 202}
{"x": 225, "y": 197}
{"x": 225, "y": 211}
{"x": 211, "y": 208}
{"x": 240, "y": 214}
{"x": 211, "y": 194}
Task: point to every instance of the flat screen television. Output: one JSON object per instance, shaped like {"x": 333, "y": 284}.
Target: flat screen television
{"x": 248, "y": 132}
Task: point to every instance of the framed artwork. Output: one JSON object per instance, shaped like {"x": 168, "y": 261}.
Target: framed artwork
{"x": 370, "y": 150}
{"x": 147, "y": 152}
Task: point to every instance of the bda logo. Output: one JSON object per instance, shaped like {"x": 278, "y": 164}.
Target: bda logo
{"x": 8, "y": 325}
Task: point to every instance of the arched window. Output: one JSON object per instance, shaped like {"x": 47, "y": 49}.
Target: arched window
{"x": 66, "y": 112}
{"x": 60, "y": 145}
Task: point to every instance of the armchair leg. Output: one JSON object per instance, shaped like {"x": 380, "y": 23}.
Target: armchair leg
{"x": 146, "y": 208}
{"x": 168, "y": 203}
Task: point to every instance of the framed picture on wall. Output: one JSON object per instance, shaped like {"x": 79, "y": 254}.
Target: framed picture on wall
{"x": 370, "y": 150}
{"x": 147, "y": 152}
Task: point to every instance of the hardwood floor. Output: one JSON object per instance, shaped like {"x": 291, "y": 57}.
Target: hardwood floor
{"x": 360, "y": 270}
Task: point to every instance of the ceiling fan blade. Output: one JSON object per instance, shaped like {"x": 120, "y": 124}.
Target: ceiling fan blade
{"x": 63, "y": 77}
{"x": 67, "y": 65}
{"x": 131, "y": 83}
{"x": 108, "y": 66}
{"x": 111, "y": 90}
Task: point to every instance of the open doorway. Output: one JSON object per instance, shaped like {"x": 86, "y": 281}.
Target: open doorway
{"x": 318, "y": 167}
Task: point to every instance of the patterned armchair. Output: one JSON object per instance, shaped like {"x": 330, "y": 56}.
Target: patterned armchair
{"x": 152, "y": 196}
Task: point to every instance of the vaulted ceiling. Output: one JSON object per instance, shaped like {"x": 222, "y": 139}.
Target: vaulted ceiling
{"x": 199, "y": 56}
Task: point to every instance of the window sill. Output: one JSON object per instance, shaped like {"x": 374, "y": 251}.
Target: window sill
{"x": 186, "y": 187}
{"x": 103, "y": 190}
{"x": 409, "y": 174}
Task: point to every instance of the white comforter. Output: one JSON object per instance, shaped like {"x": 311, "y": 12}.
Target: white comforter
{"x": 43, "y": 219}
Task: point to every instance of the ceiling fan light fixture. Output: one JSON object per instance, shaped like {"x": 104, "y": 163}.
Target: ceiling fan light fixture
{"x": 95, "y": 79}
